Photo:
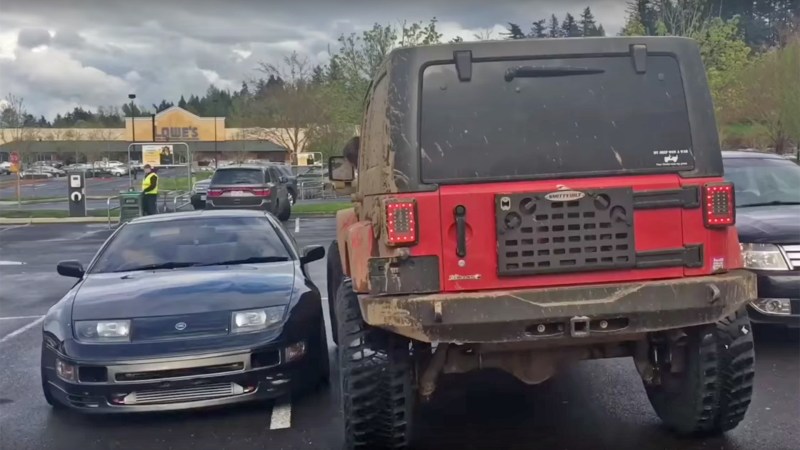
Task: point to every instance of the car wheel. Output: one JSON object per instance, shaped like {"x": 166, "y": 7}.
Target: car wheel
{"x": 48, "y": 395}
{"x": 284, "y": 210}
{"x": 712, "y": 392}
{"x": 376, "y": 394}
{"x": 335, "y": 275}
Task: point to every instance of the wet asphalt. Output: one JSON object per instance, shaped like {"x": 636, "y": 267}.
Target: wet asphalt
{"x": 591, "y": 405}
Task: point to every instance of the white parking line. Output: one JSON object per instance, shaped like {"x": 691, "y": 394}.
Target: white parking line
{"x": 281, "y": 414}
{"x": 14, "y": 227}
{"x": 20, "y": 317}
{"x": 19, "y": 331}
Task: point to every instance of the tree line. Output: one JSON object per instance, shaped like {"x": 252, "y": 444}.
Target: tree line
{"x": 321, "y": 105}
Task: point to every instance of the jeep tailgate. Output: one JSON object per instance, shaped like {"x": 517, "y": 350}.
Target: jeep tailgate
{"x": 515, "y": 237}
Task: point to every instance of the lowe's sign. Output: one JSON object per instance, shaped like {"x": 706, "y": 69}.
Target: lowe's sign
{"x": 178, "y": 133}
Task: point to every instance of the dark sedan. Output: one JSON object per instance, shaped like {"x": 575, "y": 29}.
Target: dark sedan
{"x": 768, "y": 220}
{"x": 186, "y": 310}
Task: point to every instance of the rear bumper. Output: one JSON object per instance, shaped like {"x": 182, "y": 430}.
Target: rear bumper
{"x": 562, "y": 314}
{"x": 265, "y": 205}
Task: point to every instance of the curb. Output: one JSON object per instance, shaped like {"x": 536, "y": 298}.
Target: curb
{"x": 55, "y": 220}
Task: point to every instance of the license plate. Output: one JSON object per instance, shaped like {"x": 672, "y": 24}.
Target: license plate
{"x": 203, "y": 197}
{"x": 241, "y": 194}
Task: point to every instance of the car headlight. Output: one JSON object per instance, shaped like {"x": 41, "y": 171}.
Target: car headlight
{"x": 256, "y": 319}
{"x": 763, "y": 257}
{"x": 103, "y": 330}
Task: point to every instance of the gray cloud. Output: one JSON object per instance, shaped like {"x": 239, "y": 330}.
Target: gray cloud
{"x": 33, "y": 37}
{"x": 103, "y": 49}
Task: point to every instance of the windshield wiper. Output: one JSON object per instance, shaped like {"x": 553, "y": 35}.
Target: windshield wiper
{"x": 772, "y": 203}
{"x": 166, "y": 265}
{"x": 252, "y": 260}
{"x": 544, "y": 72}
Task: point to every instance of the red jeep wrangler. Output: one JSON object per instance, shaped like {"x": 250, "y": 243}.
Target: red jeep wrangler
{"x": 521, "y": 205}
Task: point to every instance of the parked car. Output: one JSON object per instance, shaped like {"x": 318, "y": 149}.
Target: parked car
{"x": 52, "y": 170}
{"x": 34, "y": 174}
{"x": 199, "y": 192}
{"x": 5, "y": 168}
{"x": 249, "y": 187}
{"x": 118, "y": 171}
{"x": 147, "y": 327}
{"x": 768, "y": 221}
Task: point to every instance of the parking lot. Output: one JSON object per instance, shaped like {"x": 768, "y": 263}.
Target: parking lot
{"x": 598, "y": 404}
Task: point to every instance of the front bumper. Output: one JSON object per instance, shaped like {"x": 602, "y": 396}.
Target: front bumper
{"x": 562, "y": 315}
{"x": 778, "y": 285}
{"x": 178, "y": 383}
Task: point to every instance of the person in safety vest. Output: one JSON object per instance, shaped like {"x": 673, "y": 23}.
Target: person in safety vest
{"x": 150, "y": 191}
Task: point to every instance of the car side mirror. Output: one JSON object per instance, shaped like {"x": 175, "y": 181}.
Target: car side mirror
{"x": 72, "y": 269}
{"x": 283, "y": 180}
{"x": 340, "y": 169}
{"x": 312, "y": 253}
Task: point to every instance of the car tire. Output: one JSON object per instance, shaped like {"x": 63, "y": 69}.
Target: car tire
{"x": 377, "y": 395}
{"x": 319, "y": 372}
{"x": 284, "y": 210}
{"x": 335, "y": 274}
{"x": 48, "y": 395}
{"x": 711, "y": 395}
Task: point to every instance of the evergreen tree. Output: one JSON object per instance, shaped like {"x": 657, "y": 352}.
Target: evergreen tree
{"x": 569, "y": 27}
{"x": 514, "y": 32}
{"x": 587, "y": 23}
{"x": 182, "y": 102}
{"x": 554, "y": 29}
{"x": 538, "y": 29}
{"x": 601, "y": 31}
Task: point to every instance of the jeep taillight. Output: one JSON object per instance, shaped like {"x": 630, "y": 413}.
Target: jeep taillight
{"x": 401, "y": 222}
{"x": 719, "y": 208}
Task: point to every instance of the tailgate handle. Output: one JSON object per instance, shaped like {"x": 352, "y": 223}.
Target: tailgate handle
{"x": 460, "y": 212}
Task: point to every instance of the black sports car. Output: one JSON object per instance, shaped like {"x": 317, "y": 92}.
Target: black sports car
{"x": 186, "y": 310}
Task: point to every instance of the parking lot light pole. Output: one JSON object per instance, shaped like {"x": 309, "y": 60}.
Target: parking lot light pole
{"x": 132, "y": 97}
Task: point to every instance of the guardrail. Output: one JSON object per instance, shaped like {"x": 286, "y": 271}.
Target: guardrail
{"x": 109, "y": 208}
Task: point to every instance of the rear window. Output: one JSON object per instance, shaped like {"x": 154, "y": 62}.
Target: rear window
{"x": 238, "y": 176}
{"x": 553, "y": 118}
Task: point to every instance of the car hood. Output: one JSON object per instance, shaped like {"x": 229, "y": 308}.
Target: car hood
{"x": 769, "y": 224}
{"x": 183, "y": 291}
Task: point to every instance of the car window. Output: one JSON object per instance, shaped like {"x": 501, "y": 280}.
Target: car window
{"x": 238, "y": 176}
{"x": 552, "y": 118}
{"x": 202, "y": 241}
{"x": 763, "y": 181}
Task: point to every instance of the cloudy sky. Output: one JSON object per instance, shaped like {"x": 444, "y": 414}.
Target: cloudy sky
{"x": 58, "y": 54}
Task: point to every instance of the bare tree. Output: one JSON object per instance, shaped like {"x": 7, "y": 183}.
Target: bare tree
{"x": 296, "y": 105}
{"x": 484, "y": 35}
{"x": 14, "y": 128}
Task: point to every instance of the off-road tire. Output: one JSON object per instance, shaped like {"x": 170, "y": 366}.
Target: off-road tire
{"x": 712, "y": 394}
{"x": 335, "y": 276}
{"x": 376, "y": 380}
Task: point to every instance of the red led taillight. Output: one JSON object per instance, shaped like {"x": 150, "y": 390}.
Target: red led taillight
{"x": 215, "y": 192}
{"x": 719, "y": 208}
{"x": 260, "y": 192}
{"x": 401, "y": 222}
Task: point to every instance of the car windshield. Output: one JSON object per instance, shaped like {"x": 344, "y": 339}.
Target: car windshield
{"x": 238, "y": 176}
{"x": 763, "y": 181}
{"x": 192, "y": 242}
